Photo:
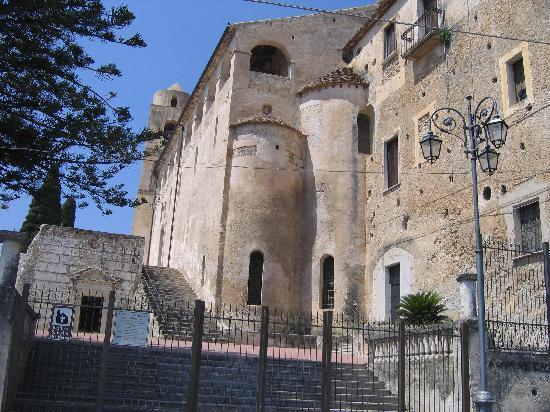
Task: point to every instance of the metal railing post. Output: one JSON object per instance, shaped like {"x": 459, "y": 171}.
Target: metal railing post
{"x": 465, "y": 365}
{"x": 326, "y": 377}
{"x": 196, "y": 350}
{"x": 401, "y": 359}
{"x": 105, "y": 353}
{"x": 262, "y": 360}
{"x": 545, "y": 250}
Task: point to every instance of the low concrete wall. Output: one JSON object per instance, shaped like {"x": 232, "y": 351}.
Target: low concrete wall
{"x": 17, "y": 325}
{"x": 520, "y": 381}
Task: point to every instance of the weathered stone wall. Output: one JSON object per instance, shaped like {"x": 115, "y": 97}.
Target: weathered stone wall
{"x": 165, "y": 110}
{"x": 263, "y": 213}
{"x": 334, "y": 198}
{"x": 519, "y": 382}
{"x": 425, "y": 223}
{"x": 61, "y": 257}
{"x": 200, "y": 186}
{"x": 429, "y": 215}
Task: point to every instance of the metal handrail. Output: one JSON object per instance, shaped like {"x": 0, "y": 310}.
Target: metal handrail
{"x": 432, "y": 20}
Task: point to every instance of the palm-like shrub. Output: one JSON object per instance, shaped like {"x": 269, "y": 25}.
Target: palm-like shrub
{"x": 422, "y": 308}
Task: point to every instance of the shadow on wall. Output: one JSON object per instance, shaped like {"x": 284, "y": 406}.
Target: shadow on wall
{"x": 308, "y": 230}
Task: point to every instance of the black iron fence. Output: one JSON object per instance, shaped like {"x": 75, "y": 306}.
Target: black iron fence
{"x": 517, "y": 290}
{"x": 126, "y": 354}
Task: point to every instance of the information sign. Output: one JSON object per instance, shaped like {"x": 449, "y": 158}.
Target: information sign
{"x": 131, "y": 328}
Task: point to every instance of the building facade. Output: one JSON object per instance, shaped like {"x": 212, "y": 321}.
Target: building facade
{"x": 292, "y": 175}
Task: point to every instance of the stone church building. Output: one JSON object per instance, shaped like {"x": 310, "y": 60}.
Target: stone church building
{"x": 292, "y": 175}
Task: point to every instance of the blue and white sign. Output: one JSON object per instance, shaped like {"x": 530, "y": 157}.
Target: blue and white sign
{"x": 61, "y": 322}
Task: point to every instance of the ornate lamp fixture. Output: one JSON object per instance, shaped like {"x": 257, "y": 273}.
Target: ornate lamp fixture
{"x": 481, "y": 129}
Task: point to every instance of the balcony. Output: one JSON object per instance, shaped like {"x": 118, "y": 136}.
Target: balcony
{"x": 420, "y": 38}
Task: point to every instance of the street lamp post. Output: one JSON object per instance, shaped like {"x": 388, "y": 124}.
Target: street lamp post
{"x": 483, "y": 132}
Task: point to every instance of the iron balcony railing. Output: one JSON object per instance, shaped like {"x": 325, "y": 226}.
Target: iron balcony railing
{"x": 431, "y": 21}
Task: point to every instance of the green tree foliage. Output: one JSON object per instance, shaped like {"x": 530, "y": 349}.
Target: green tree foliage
{"x": 422, "y": 308}
{"x": 48, "y": 114}
{"x": 68, "y": 212}
{"x": 45, "y": 206}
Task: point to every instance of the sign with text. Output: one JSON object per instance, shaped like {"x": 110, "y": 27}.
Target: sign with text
{"x": 61, "y": 322}
{"x": 130, "y": 328}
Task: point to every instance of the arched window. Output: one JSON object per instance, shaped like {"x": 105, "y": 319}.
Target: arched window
{"x": 327, "y": 293}
{"x": 169, "y": 127}
{"x": 174, "y": 101}
{"x": 269, "y": 59}
{"x": 364, "y": 134}
{"x": 255, "y": 271}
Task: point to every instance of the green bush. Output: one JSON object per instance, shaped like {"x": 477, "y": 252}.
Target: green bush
{"x": 422, "y": 308}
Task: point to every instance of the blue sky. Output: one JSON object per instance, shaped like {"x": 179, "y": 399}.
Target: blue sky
{"x": 181, "y": 35}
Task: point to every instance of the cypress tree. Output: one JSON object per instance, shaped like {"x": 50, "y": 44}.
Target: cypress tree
{"x": 68, "y": 212}
{"x": 45, "y": 206}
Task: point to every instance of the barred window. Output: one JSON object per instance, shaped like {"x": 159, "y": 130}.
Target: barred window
{"x": 394, "y": 280}
{"x": 90, "y": 314}
{"x": 255, "y": 271}
{"x": 530, "y": 227}
{"x": 328, "y": 283}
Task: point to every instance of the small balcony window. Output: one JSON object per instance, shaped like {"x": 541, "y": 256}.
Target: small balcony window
{"x": 420, "y": 38}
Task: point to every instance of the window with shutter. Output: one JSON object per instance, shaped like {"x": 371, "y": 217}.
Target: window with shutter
{"x": 390, "y": 40}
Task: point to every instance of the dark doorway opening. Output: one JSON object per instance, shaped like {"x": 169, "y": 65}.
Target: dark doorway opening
{"x": 255, "y": 272}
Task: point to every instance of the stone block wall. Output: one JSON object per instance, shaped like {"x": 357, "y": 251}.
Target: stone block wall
{"x": 58, "y": 257}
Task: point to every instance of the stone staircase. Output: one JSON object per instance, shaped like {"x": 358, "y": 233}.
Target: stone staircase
{"x": 171, "y": 300}
{"x": 63, "y": 376}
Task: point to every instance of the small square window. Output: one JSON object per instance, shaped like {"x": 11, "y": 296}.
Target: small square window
{"x": 391, "y": 152}
{"x": 390, "y": 40}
